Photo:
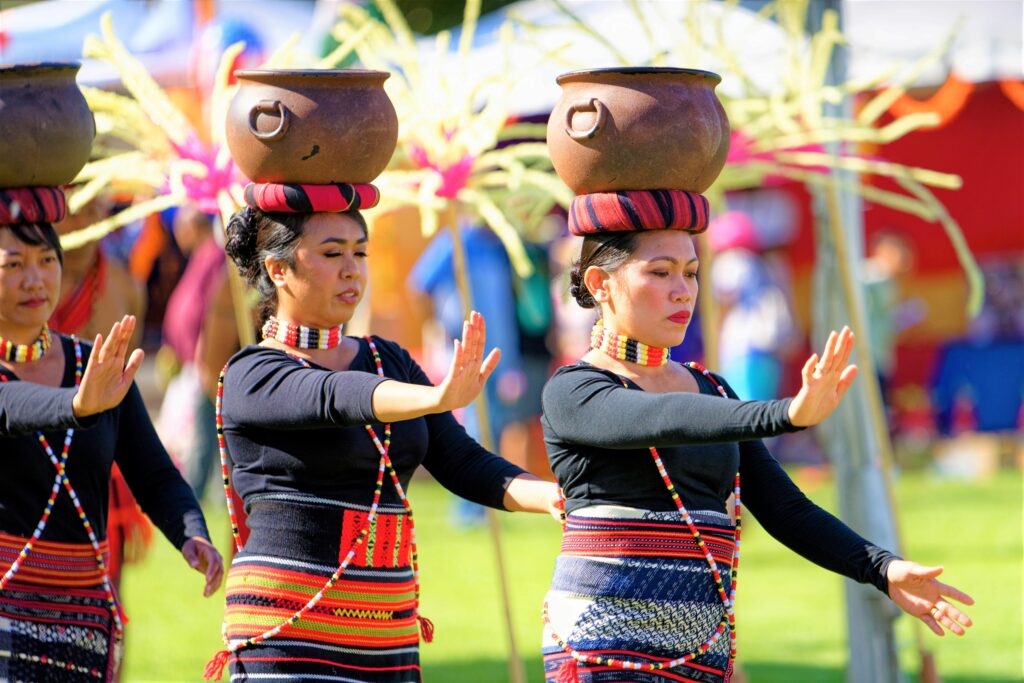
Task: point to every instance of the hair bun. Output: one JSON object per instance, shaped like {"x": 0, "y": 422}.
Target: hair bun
{"x": 241, "y": 233}
{"x": 578, "y": 290}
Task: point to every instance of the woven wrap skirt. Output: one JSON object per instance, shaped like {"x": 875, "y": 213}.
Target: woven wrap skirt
{"x": 364, "y": 629}
{"x": 55, "y": 621}
{"x": 632, "y": 584}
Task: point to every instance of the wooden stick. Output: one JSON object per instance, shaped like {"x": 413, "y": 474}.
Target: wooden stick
{"x": 516, "y": 671}
{"x": 876, "y": 410}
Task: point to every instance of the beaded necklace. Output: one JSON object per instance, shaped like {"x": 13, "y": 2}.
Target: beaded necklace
{"x": 300, "y": 336}
{"x": 26, "y": 353}
{"x": 624, "y": 348}
{"x": 216, "y": 665}
{"x": 568, "y": 673}
{"x": 62, "y": 480}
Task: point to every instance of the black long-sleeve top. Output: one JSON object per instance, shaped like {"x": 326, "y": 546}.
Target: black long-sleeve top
{"x": 293, "y": 429}
{"x": 123, "y": 434}
{"x": 598, "y": 434}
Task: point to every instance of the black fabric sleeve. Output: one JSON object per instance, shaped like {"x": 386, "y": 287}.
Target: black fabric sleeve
{"x": 800, "y": 525}
{"x": 26, "y": 408}
{"x": 152, "y": 477}
{"x": 457, "y": 461}
{"x": 269, "y": 389}
{"x": 588, "y": 405}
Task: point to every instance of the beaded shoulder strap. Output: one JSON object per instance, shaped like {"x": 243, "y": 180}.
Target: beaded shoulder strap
{"x": 60, "y": 480}
{"x": 215, "y": 666}
{"x": 568, "y": 674}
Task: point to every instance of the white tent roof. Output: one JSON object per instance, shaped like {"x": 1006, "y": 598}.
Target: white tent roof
{"x": 881, "y": 34}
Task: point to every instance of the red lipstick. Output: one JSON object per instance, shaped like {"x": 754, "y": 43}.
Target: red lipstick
{"x": 681, "y": 317}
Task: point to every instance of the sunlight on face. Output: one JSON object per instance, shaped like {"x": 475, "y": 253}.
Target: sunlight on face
{"x": 29, "y": 282}
{"x": 651, "y": 297}
{"x": 330, "y": 273}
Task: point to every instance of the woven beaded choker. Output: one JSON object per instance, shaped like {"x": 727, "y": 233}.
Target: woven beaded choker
{"x": 624, "y": 348}
{"x": 301, "y": 337}
{"x": 26, "y": 353}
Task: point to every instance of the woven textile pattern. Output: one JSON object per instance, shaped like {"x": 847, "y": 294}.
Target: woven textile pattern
{"x": 638, "y": 210}
{"x": 364, "y": 629}
{"x": 54, "y": 621}
{"x": 633, "y": 584}
{"x": 31, "y": 205}
{"x": 294, "y": 198}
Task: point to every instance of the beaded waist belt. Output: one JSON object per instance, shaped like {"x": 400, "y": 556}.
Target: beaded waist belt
{"x": 67, "y": 565}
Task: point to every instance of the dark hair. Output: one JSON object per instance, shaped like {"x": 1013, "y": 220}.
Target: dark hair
{"x": 38, "y": 235}
{"x": 254, "y": 235}
{"x": 608, "y": 252}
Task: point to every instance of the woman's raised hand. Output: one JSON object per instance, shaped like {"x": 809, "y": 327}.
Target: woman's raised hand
{"x": 107, "y": 378}
{"x": 918, "y": 593}
{"x": 469, "y": 369}
{"x": 825, "y": 381}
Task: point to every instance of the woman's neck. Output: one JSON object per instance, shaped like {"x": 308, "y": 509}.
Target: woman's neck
{"x": 20, "y": 334}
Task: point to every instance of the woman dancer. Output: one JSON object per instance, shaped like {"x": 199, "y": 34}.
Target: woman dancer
{"x": 324, "y": 432}
{"x": 68, "y": 411}
{"x": 644, "y": 587}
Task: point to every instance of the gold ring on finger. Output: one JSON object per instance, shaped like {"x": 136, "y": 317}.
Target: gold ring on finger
{"x": 936, "y": 614}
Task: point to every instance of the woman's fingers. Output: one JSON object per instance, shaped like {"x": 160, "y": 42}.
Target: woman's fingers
{"x": 932, "y": 624}
{"x": 482, "y": 324}
{"x": 829, "y": 354}
{"x": 847, "y": 348}
{"x": 952, "y": 613}
{"x": 490, "y": 363}
{"x": 846, "y": 379}
{"x": 808, "y": 370}
{"x": 951, "y": 592}
{"x": 134, "y": 362}
{"x": 127, "y": 328}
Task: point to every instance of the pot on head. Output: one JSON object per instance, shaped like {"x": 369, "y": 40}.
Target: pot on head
{"x": 311, "y": 126}
{"x": 46, "y": 127}
{"x": 638, "y": 128}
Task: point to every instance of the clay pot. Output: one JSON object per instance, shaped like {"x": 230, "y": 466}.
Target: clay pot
{"x": 46, "y": 128}
{"x": 311, "y": 126}
{"x": 638, "y": 129}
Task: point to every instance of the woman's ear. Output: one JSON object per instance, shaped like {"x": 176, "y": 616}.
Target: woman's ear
{"x": 276, "y": 270}
{"x": 596, "y": 281}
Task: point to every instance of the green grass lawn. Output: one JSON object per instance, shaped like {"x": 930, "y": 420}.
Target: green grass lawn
{"x": 790, "y": 613}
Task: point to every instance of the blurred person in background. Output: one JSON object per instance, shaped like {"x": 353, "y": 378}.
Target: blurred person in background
{"x": 200, "y": 335}
{"x": 757, "y": 327}
{"x": 491, "y": 283}
{"x": 890, "y": 258}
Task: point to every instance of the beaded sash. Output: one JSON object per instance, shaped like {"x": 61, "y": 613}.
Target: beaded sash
{"x": 215, "y": 666}
{"x": 62, "y": 480}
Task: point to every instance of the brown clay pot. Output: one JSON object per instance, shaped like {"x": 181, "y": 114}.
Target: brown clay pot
{"x": 638, "y": 129}
{"x": 46, "y": 128}
{"x": 311, "y": 126}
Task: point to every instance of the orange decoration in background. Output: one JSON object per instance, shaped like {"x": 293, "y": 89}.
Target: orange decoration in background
{"x": 1014, "y": 91}
{"x": 947, "y": 101}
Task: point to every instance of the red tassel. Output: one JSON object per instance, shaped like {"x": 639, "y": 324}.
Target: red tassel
{"x": 426, "y": 629}
{"x": 215, "y": 667}
{"x": 568, "y": 672}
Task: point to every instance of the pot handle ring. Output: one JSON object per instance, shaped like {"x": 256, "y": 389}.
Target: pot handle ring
{"x": 269, "y": 107}
{"x": 594, "y": 105}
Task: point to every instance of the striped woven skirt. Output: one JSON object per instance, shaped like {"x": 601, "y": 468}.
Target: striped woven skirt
{"x": 364, "y": 629}
{"x": 632, "y": 584}
{"x": 55, "y": 624}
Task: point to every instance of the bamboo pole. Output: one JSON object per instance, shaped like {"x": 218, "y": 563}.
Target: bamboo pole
{"x": 516, "y": 671}
{"x": 876, "y": 409}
